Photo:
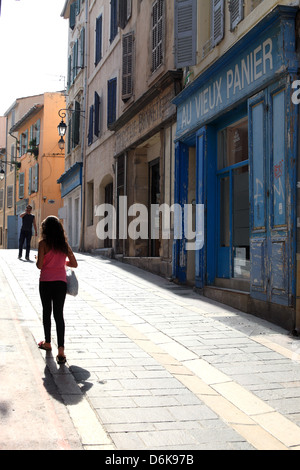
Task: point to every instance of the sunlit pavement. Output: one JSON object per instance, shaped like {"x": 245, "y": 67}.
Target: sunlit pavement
{"x": 150, "y": 365}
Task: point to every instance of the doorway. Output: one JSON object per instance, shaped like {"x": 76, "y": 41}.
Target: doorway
{"x": 154, "y": 186}
{"x": 233, "y": 237}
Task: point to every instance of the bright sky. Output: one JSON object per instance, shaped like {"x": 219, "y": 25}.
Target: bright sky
{"x": 33, "y": 49}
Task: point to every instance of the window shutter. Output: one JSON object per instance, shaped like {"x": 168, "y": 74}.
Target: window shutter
{"x": 35, "y": 183}
{"x": 124, "y": 12}
{"x": 76, "y": 125}
{"x": 30, "y": 181}
{"x": 10, "y": 196}
{"x": 98, "y": 46}
{"x": 37, "y": 131}
{"x": 25, "y": 142}
{"x": 69, "y": 134}
{"x": 75, "y": 59}
{"x": 91, "y": 125}
{"x": 97, "y": 114}
{"x": 127, "y": 72}
{"x": 129, "y": 9}
{"x": 20, "y": 146}
{"x": 236, "y": 8}
{"x": 112, "y": 101}
{"x": 82, "y": 46}
{"x": 185, "y": 33}
{"x": 218, "y": 20}
{"x": 73, "y": 12}
{"x": 69, "y": 79}
{"x": 157, "y": 34}
{"x": 113, "y": 19}
{"x": 21, "y": 185}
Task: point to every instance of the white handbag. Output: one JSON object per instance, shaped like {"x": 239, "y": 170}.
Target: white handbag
{"x": 72, "y": 283}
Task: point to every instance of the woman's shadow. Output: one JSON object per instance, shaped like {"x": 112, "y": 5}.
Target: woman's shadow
{"x": 67, "y": 385}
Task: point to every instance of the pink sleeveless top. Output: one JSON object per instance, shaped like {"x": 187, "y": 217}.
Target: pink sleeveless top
{"x": 54, "y": 267}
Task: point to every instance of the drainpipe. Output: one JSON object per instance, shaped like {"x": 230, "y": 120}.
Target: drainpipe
{"x": 296, "y": 331}
{"x": 15, "y": 183}
{"x": 4, "y": 195}
{"x": 125, "y": 194}
{"x": 83, "y": 136}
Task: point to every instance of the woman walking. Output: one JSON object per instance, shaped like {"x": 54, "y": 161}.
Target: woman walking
{"x": 53, "y": 252}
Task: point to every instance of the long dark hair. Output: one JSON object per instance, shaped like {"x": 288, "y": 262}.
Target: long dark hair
{"x": 54, "y": 235}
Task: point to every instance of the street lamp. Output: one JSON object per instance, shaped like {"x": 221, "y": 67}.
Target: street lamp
{"x": 62, "y": 128}
{"x": 61, "y": 143}
{"x": 5, "y": 162}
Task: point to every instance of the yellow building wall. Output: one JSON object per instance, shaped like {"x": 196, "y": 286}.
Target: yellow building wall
{"x": 47, "y": 200}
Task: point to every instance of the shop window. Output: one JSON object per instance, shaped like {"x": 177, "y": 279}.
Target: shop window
{"x": 233, "y": 144}
{"x": 233, "y": 191}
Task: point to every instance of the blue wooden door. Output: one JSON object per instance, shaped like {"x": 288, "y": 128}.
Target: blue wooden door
{"x": 272, "y": 185}
{"x": 180, "y": 198}
{"x": 12, "y": 232}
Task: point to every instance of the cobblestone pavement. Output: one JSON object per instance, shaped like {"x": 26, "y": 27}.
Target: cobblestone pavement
{"x": 153, "y": 365}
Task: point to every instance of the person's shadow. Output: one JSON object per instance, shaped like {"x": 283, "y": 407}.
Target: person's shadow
{"x": 66, "y": 385}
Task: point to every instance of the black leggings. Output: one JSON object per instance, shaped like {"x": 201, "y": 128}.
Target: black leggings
{"x": 54, "y": 294}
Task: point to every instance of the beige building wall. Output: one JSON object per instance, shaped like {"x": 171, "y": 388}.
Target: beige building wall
{"x": 142, "y": 133}
{"x": 18, "y": 109}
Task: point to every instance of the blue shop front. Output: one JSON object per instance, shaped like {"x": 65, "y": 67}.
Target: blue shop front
{"x": 236, "y": 156}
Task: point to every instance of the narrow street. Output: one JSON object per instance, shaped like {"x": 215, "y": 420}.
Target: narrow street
{"x": 151, "y": 365}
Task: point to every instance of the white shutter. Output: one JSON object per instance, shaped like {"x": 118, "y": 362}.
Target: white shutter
{"x": 36, "y": 178}
{"x": 236, "y": 8}
{"x": 217, "y": 21}
{"x": 157, "y": 34}
{"x": 10, "y": 196}
{"x": 30, "y": 181}
{"x": 21, "y": 185}
{"x": 185, "y": 33}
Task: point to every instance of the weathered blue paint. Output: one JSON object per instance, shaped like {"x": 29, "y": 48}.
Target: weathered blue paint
{"x": 258, "y": 70}
{"x": 201, "y": 150}
{"x": 265, "y": 52}
{"x": 272, "y": 147}
{"x": 71, "y": 179}
{"x": 181, "y": 197}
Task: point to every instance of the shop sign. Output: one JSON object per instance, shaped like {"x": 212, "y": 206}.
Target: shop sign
{"x": 152, "y": 115}
{"x": 236, "y": 80}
